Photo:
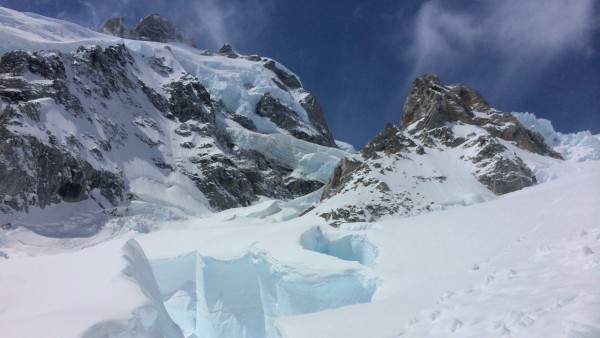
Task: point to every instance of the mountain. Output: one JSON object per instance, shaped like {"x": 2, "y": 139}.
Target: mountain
{"x": 112, "y": 125}
{"x": 150, "y": 28}
{"x": 152, "y": 189}
{"x": 451, "y": 149}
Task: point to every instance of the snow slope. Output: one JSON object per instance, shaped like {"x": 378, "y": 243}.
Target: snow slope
{"x": 121, "y": 128}
{"x": 472, "y": 271}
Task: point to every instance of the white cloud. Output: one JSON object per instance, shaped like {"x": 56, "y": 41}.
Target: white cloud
{"x": 513, "y": 35}
{"x": 549, "y": 26}
{"x": 230, "y": 22}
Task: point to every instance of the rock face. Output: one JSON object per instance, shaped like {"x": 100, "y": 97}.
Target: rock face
{"x": 452, "y": 148}
{"x": 86, "y": 125}
{"x": 286, "y": 118}
{"x": 430, "y": 105}
{"x": 290, "y": 80}
{"x": 36, "y": 172}
{"x": 317, "y": 118}
{"x": 150, "y": 28}
{"x": 431, "y": 108}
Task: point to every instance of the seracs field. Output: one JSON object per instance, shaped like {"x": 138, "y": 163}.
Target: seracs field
{"x": 152, "y": 189}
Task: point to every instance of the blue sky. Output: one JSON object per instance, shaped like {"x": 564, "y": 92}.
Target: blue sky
{"x": 360, "y": 57}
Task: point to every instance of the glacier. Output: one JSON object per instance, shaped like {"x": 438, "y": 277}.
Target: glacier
{"x": 243, "y": 297}
{"x": 581, "y": 146}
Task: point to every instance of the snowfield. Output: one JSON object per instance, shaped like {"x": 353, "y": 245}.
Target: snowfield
{"x": 526, "y": 264}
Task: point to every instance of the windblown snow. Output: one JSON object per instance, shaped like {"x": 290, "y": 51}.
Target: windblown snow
{"x": 521, "y": 265}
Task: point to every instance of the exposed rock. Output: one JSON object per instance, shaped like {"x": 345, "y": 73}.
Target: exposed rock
{"x": 35, "y": 174}
{"x": 317, "y": 118}
{"x": 228, "y": 51}
{"x": 341, "y": 176}
{"x": 286, "y": 118}
{"x": 150, "y": 28}
{"x": 116, "y": 114}
{"x": 45, "y": 64}
{"x": 299, "y": 187}
{"x": 156, "y": 28}
{"x": 221, "y": 182}
{"x": 254, "y": 58}
{"x": 399, "y": 171}
{"x": 390, "y": 141}
{"x": 244, "y": 121}
{"x": 430, "y": 105}
{"x": 289, "y": 80}
{"x": 500, "y": 172}
{"x": 188, "y": 99}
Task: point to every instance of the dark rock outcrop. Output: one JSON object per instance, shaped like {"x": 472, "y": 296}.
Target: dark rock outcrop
{"x": 341, "y": 176}
{"x": 35, "y": 174}
{"x": 150, "y": 28}
{"x": 390, "y": 141}
{"x": 317, "y": 118}
{"x": 188, "y": 99}
{"x": 228, "y": 51}
{"x": 288, "y": 79}
{"x": 156, "y": 28}
{"x": 430, "y": 105}
{"x": 78, "y": 126}
{"x": 286, "y": 118}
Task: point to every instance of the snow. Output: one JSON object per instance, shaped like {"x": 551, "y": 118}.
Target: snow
{"x": 239, "y": 83}
{"x": 428, "y": 274}
{"x": 581, "y": 146}
{"x": 308, "y": 159}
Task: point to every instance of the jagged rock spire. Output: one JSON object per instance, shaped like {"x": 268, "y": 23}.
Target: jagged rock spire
{"x": 150, "y": 28}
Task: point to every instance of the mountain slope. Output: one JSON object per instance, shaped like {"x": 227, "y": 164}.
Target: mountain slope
{"x": 152, "y": 122}
{"x": 452, "y": 149}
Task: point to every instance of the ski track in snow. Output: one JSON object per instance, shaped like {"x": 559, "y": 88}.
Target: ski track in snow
{"x": 522, "y": 239}
{"x": 571, "y": 308}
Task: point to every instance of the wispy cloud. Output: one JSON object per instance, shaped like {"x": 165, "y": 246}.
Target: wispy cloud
{"x": 230, "y": 22}
{"x": 503, "y": 36}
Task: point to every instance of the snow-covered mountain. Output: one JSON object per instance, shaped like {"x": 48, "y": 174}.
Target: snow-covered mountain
{"x": 452, "y": 149}
{"x": 152, "y": 189}
{"x": 159, "y": 123}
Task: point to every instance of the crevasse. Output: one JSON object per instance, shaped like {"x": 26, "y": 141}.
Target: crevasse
{"x": 242, "y": 297}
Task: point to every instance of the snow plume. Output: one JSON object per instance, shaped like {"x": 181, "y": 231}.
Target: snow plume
{"x": 517, "y": 35}
{"x": 229, "y": 22}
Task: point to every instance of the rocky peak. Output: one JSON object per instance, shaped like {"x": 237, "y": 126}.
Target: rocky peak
{"x": 432, "y": 107}
{"x": 287, "y": 119}
{"x": 451, "y": 144}
{"x": 317, "y": 118}
{"x": 228, "y": 51}
{"x": 156, "y": 28}
{"x": 150, "y": 28}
